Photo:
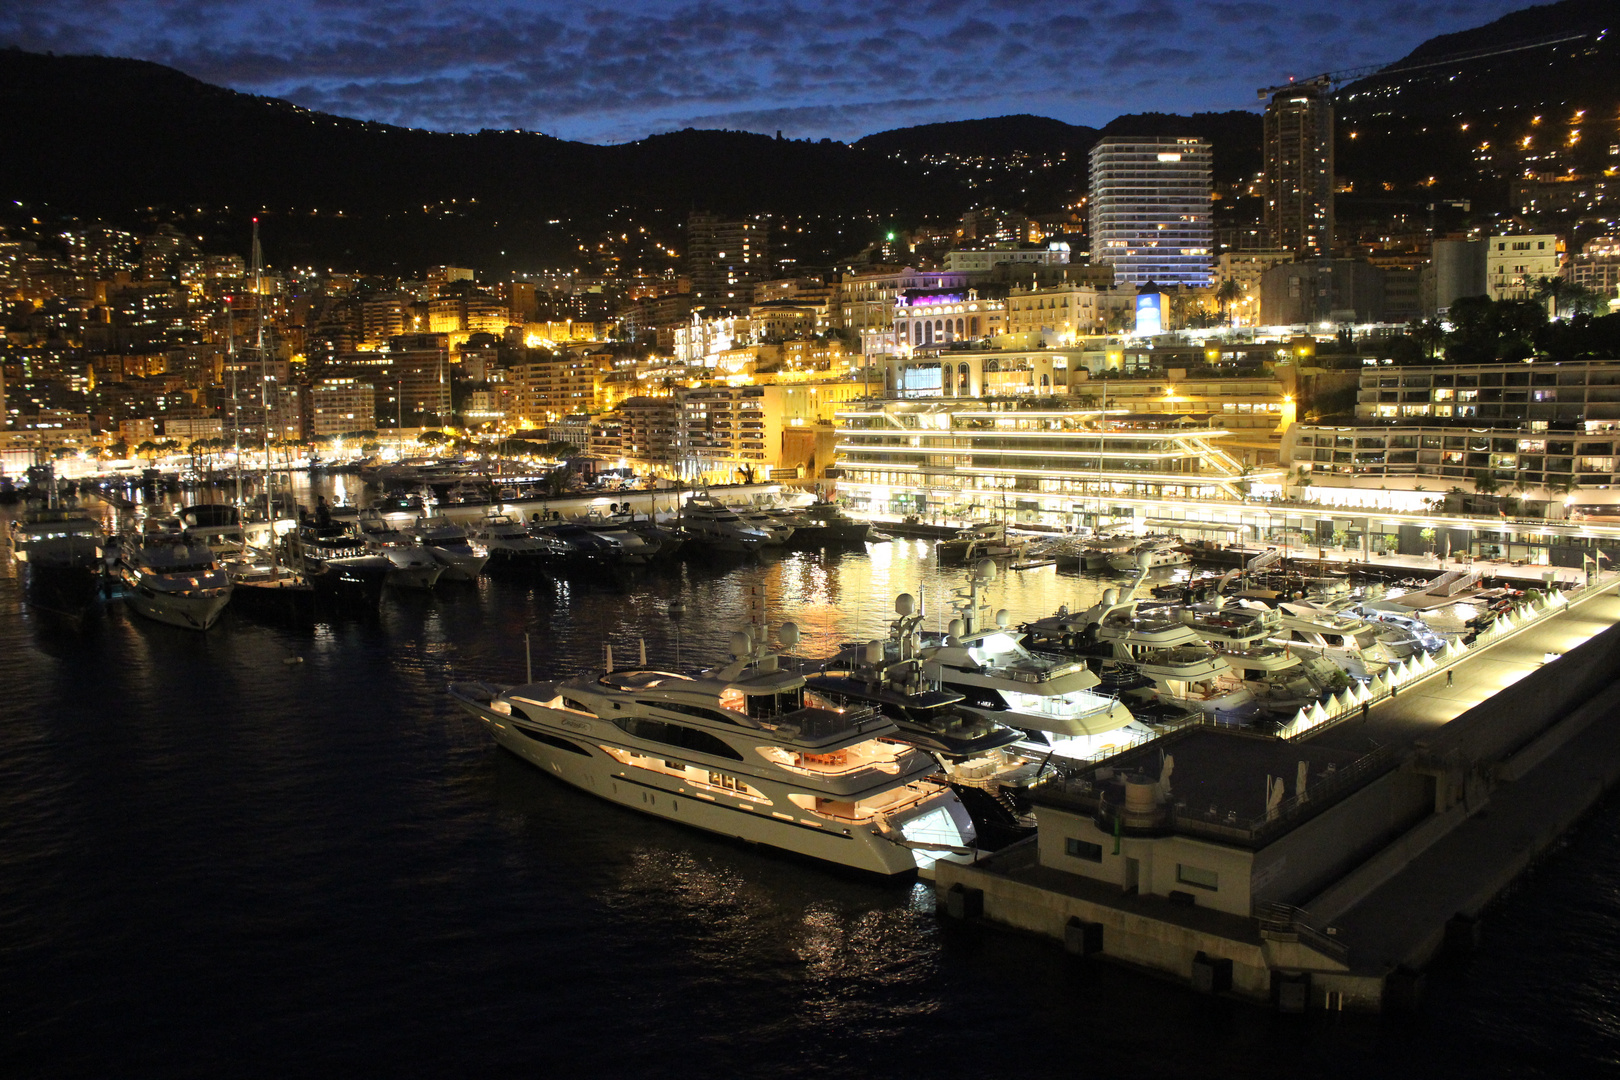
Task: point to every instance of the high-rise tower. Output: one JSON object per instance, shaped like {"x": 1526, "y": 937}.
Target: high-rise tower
{"x": 725, "y": 258}
{"x": 1150, "y": 215}
{"x": 1299, "y": 168}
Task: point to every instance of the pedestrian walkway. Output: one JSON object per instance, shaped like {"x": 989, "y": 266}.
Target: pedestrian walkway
{"x": 1420, "y": 707}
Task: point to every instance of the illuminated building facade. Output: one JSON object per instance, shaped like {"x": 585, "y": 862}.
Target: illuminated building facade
{"x": 926, "y": 317}
{"x": 1299, "y": 169}
{"x": 1513, "y": 263}
{"x": 341, "y": 405}
{"x": 1150, "y": 212}
{"x": 932, "y": 457}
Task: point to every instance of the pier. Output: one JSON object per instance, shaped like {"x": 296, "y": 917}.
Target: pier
{"x": 1421, "y": 807}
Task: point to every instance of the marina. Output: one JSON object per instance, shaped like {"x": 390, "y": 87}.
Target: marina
{"x": 415, "y": 641}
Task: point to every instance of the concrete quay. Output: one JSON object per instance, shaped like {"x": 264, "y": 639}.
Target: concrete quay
{"x": 1340, "y": 898}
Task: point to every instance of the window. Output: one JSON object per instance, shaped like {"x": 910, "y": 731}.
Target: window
{"x": 1198, "y": 877}
{"x": 1079, "y": 849}
{"x": 677, "y": 735}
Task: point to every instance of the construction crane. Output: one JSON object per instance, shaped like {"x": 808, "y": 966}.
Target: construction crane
{"x": 1332, "y": 80}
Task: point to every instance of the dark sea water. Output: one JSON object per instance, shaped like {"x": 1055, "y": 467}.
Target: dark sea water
{"x": 215, "y": 863}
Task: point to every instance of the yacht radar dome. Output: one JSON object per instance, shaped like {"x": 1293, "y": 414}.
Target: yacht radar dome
{"x": 788, "y": 635}
{"x": 1003, "y": 618}
{"x": 874, "y": 651}
{"x": 904, "y": 604}
{"x": 1110, "y": 597}
{"x": 985, "y": 570}
{"x": 741, "y": 644}
{"x": 955, "y": 628}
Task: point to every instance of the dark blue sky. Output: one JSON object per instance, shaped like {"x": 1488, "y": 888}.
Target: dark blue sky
{"x": 610, "y": 72}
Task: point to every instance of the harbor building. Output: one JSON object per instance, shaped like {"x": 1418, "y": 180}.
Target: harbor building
{"x": 1036, "y": 461}
{"x": 1150, "y": 213}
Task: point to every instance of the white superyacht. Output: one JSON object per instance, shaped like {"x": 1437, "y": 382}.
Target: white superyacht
{"x": 1051, "y": 700}
{"x": 739, "y": 750}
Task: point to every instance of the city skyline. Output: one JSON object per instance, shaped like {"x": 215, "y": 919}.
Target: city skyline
{"x": 605, "y": 74}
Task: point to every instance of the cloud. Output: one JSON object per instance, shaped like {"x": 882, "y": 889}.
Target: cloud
{"x": 606, "y": 71}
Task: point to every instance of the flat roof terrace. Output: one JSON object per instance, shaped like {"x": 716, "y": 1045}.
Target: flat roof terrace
{"x": 1218, "y": 783}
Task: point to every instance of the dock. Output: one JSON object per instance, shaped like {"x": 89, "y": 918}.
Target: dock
{"x": 1408, "y": 816}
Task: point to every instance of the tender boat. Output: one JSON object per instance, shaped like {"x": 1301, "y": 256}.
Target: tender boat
{"x": 740, "y": 750}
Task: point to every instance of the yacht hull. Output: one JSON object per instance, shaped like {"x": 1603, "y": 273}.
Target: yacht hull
{"x": 189, "y": 612}
{"x": 283, "y": 599}
{"x": 575, "y": 759}
{"x": 458, "y": 565}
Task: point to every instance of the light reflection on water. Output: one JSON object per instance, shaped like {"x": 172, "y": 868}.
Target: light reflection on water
{"x": 211, "y": 859}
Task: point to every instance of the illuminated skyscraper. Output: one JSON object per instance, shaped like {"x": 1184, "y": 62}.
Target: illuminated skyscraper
{"x": 1150, "y": 216}
{"x": 1299, "y": 169}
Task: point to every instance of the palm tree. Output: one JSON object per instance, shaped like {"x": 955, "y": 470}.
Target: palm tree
{"x": 1227, "y": 294}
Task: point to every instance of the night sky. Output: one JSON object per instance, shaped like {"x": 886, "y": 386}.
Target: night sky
{"x": 837, "y": 68}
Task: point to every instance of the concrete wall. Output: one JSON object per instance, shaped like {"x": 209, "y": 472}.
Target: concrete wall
{"x": 1305, "y": 860}
{"x": 1157, "y": 861}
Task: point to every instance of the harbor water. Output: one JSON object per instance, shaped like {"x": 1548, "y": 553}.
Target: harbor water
{"x": 262, "y": 850}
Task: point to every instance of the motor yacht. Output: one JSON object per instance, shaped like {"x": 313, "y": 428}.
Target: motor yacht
{"x": 1153, "y": 554}
{"x": 336, "y": 563}
{"x": 988, "y": 540}
{"x": 1350, "y": 642}
{"x": 740, "y": 750}
{"x": 826, "y": 522}
{"x": 171, "y": 579}
{"x": 1153, "y": 640}
{"x": 63, "y": 552}
{"x": 777, "y": 524}
{"x": 461, "y": 557}
{"x": 1052, "y": 701}
{"x": 1281, "y": 678}
{"x": 412, "y": 565}
{"x": 973, "y": 750}
{"x": 218, "y": 525}
{"x": 510, "y": 543}
{"x": 713, "y": 525}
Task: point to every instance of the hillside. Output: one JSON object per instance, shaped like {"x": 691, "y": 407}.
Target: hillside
{"x": 108, "y": 137}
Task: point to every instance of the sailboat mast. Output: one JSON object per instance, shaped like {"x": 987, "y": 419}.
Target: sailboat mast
{"x": 236, "y": 403}
{"x": 264, "y": 388}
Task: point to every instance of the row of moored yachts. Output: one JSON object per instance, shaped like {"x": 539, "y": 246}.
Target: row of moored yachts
{"x": 893, "y": 752}
{"x": 184, "y": 570}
